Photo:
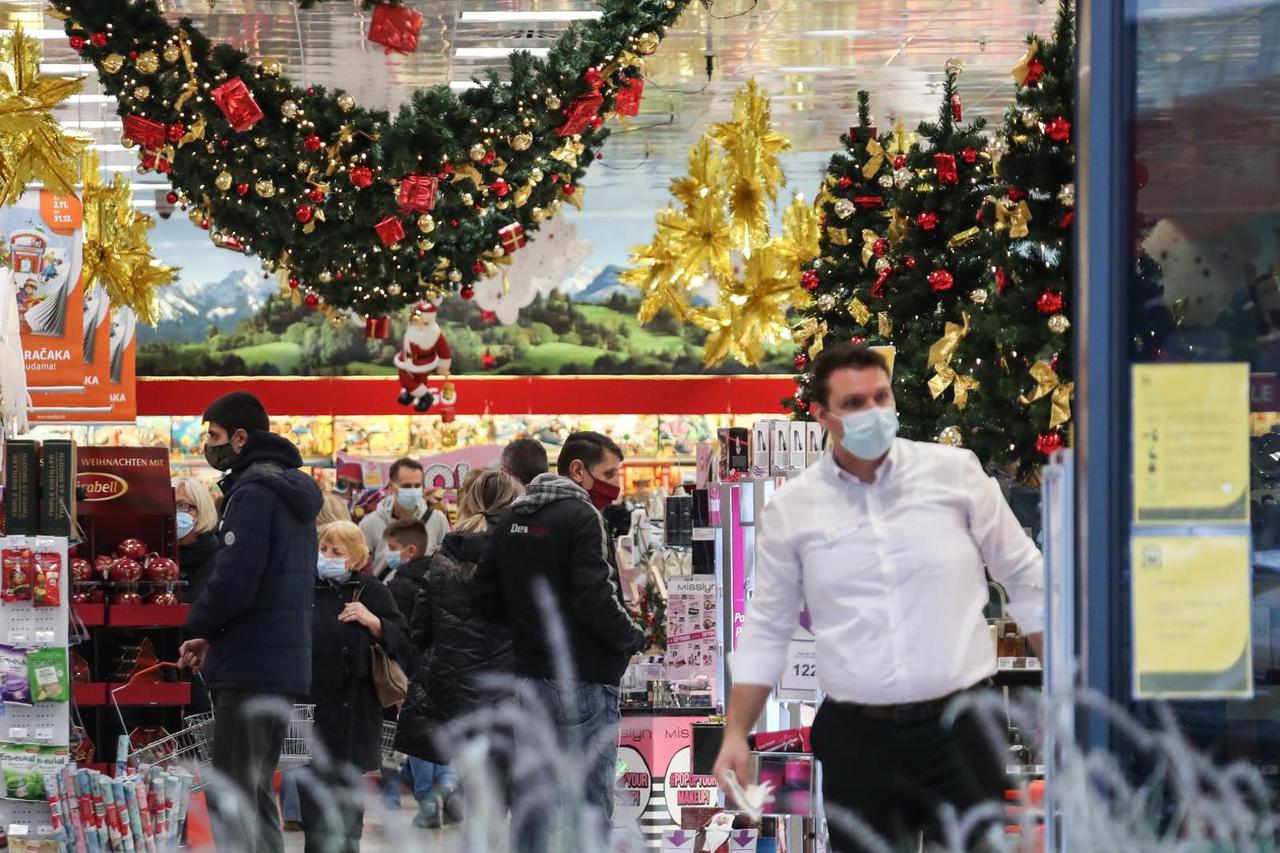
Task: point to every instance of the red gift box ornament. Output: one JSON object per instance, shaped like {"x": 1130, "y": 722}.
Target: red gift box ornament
{"x": 946, "y": 166}
{"x": 580, "y": 113}
{"x": 512, "y": 237}
{"x": 390, "y": 231}
{"x": 237, "y": 104}
{"x": 395, "y": 27}
{"x": 418, "y": 193}
{"x": 148, "y": 133}
{"x": 628, "y": 102}
{"x": 377, "y": 327}
{"x": 957, "y": 110}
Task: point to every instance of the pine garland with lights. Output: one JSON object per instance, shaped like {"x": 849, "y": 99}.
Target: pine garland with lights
{"x": 353, "y": 209}
{"x": 855, "y": 206}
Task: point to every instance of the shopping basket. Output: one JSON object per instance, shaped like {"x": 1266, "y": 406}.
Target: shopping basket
{"x": 389, "y": 742}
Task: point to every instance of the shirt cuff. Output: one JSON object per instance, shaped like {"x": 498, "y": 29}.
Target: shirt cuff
{"x": 1029, "y": 615}
{"x": 748, "y": 666}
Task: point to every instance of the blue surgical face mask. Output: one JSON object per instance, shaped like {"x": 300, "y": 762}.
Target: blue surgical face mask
{"x": 393, "y": 559}
{"x": 186, "y": 523}
{"x": 408, "y": 497}
{"x": 869, "y": 434}
{"x": 331, "y": 568}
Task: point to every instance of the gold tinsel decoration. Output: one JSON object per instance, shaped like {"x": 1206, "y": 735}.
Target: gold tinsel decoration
{"x": 117, "y": 256}
{"x": 33, "y": 146}
{"x": 734, "y": 176}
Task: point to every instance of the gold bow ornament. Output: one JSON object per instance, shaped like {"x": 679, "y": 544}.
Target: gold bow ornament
{"x": 940, "y": 355}
{"x": 869, "y": 239}
{"x": 1049, "y": 385}
{"x": 1023, "y": 68}
{"x": 876, "y": 158}
{"x": 1013, "y": 217}
{"x": 811, "y": 327}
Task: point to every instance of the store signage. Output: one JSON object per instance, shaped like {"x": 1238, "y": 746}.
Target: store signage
{"x": 129, "y": 494}
{"x": 660, "y": 747}
{"x": 101, "y": 487}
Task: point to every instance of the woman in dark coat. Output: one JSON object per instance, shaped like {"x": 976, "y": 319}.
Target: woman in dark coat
{"x": 198, "y": 543}
{"x": 352, "y": 613}
{"x": 456, "y": 650}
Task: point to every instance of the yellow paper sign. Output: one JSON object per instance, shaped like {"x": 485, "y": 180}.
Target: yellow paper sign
{"x": 1191, "y": 602}
{"x": 1191, "y": 443}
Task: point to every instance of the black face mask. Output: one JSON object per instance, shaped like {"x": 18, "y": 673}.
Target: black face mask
{"x": 220, "y": 456}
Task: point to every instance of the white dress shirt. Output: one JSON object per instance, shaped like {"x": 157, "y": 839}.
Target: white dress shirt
{"x": 892, "y": 573}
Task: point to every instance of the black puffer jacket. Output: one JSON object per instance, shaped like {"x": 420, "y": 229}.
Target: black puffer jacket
{"x": 552, "y": 538}
{"x": 196, "y": 562}
{"x": 348, "y": 713}
{"x": 255, "y": 610}
{"x": 456, "y": 649}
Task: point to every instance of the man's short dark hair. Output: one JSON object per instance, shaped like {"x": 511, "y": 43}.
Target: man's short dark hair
{"x": 402, "y": 463}
{"x": 407, "y": 531}
{"x": 237, "y": 411}
{"x": 524, "y": 459}
{"x": 589, "y": 447}
{"x": 839, "y": 357}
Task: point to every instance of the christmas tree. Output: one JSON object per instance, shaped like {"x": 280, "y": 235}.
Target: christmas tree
{"x": 855, "y": 209}
{"x": 1019, "y": 343}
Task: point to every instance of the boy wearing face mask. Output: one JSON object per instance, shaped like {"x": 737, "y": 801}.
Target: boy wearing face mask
{"x": 553, "y": 541}
{"x": 887, "y": 542}
{"x": 405, "y": 502}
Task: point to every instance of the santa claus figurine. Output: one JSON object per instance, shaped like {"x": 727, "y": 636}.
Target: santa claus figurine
{"x": 425, "y": 351}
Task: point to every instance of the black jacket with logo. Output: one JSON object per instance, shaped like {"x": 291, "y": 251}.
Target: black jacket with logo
{"x": 551, "y": 561}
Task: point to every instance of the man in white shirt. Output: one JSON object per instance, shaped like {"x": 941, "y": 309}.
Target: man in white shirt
{"x": 406, "y": 501}
{"x": 887, "y": 542}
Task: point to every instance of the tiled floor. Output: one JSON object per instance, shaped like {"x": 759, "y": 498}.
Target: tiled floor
{"x": 406, "y": 838}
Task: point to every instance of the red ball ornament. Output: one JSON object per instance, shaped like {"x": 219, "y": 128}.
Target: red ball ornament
{"x": 490, "y": 317}
{"x": 339, "y": 275}
{"x": 1035, "y": 70}
{"x": 1049, "y": 443}
{"x": 1049, "y": 302}
{"x": 98, "y": 39}
{"x": 857, "y": 340}
{"x": 176, "y": 131}
{"x": 1016, "y": 194}
{"x": 487, "y": 361}
{"x": 311, "y": 91}
{"x": 910, "y": 262}
{"x": 489, "y": 158}
{"x": 845, "y": 182}
{"x": 312, "y": 142}
{"x": 927, "y": 221}
{"x": 467, "y": 292}
{"x": 446, "y": 169}
{"x": 453, "y": 223}
{"x": 171, "y": 197}
{"x": 1059, "y": 130}
{"x": 500, "y": 188}
{"x": 204, "y": 223}
{"x": 802, "y": 360}
{"x": 77, "y": 43}
{"x": 810, "y": 280}
{"x": 361, "y": 176}
{"x": 880, "y": 246}
{"x": 969, "y": 155}
{"x": 316, "y": 195}
{"x": 900, "y": 161}
{"x": 295, "y": 282}
{"x": 311, "y": 300}
{"x": 242, "y": 189}
{"x": 225, "y": 143}
{"x": 1002, "y": 280}
{"x": 304, "y": 213}
{"x": 941, "y": 280}
{"x": 570, "y": 189}
{"x": 478, "y": 268}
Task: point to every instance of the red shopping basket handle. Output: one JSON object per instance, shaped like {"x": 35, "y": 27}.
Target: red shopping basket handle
{"x": 142, "y": 672}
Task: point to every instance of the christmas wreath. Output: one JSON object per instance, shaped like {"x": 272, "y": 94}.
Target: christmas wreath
{"x": 354, "y": 209}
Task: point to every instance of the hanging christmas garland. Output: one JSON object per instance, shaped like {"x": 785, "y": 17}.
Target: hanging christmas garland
{"x": 353, "y": 209}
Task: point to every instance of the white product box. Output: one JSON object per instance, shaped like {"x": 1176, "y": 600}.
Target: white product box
{"x": 780, "y": 448}
{"x": 761, "y": 439}
{"x": 799, "y": 441}
{"x": 813, "y": 443}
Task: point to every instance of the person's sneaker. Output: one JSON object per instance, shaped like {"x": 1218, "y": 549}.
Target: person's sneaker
{"x": 430, "y": 813}
{"x": 455, "y": 807}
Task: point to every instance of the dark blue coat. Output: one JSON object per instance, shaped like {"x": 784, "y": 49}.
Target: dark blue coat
{"x": 255, "y": 610}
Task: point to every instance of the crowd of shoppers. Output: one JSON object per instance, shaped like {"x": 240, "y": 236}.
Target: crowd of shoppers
{"x": 294, "y": 603}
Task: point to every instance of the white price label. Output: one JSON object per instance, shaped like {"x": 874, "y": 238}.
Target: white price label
{"x": 704, "y": 534}
{"x": 801, "y": 673}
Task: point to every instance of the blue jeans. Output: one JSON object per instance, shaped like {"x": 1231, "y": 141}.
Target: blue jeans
{"x": 428, "y": 777}
{"x": 589, "y": 719}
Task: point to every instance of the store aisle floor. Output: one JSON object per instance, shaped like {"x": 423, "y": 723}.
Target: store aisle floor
{"x": 446, "y": 840}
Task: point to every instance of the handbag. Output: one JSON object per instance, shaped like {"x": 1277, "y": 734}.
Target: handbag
{"x": 389, "y": 679}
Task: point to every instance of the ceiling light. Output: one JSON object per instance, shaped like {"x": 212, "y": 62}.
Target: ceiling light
{"x": 496, "y": 52}
{"x": 89, "y": 99}
{"x": 39, "y": 35}
{"x": 463, "y": 85}
{"x": 61, "y": 69}
{"x": 109, "y": 147}
{"x": 107, "y": 124}
{"x": 832, "y": 34}
{"x": 526, "y": 17}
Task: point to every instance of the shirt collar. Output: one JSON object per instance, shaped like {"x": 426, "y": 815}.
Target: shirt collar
{"x": 886, "y": 469}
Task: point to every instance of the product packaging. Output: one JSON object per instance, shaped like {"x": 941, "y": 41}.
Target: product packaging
{"x": 735, "y": 454}
{"x": 798, "y": 442}
{"x": 22, "y": 487}
{"x": 46, "y": 591}
{"x": 19, "y": 569}
{"x": 813, "y": 443}
{"x": 761, "y": 438}
{"x": 15, "y": 684}
{"x": 786, "y": 740}
{"x": 50, "y": 681}
{"x": 779, "y": 448}
{"x": 48, "y": 760}
{"x": 19, "y": 761}
{"x": 58, "y": 497}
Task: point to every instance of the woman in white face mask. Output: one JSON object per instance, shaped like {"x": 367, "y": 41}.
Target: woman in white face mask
{"x": 196, "y": 522}
{"x": 352, "y": 613}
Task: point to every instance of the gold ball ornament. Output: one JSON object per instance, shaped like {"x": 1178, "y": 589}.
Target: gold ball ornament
{"x": 272, "y": 68}
{"x": 477, "y": 152}
{"x": 536, "y": 176}
{"x": 290, "y": 109}
{"x": 1059, "y": 323}
{"x": 455, "y": 276}
{"x": 885, "y": 181}
{"x": 902, "y": 178}
{"x": 951, "y": 437}
{"x": 979, "y": 296}
{"x": 883, "y": 264}
{"x": 141, "y": 93}
{"x": 442, "y": 263}
{"x": 265, "y": 188}
{"x": 346, "y": 103}
{"x": 468, "y": 199}
{"x": 223, "y": 181}
{"x": 1030, "y": 118}
{"x": 503, "y": 205}
{"x": 112, "y": 63}
{"x": 1067, "y": 195}
{"x": 393, "y": 290}
{"x": 426, "y": 245}
{"x": 538, "y": 214}
{"x": 426, "y": 224}
{"x": 827, "y": 302}
{"x": 172, "y": 53}
{"x": 522, "y": 141}
{"x": 843, "y": 208}
{"x": 325, "y": 277}
{"x": 647, "y": 44}
{"x": 553, "y": 102}
{"x": 148, "y": 62}
{"x": 953, "y": 66}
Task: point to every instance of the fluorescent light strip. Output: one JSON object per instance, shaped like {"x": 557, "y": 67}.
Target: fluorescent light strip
{"x": 62, "y": 69}
{"x": 40, "y": 35}
{"x": 496, "y": 52}
{"x": 94, "y": 124}
{"x": 526, "y": 17}
{"x": 89, "y": 99}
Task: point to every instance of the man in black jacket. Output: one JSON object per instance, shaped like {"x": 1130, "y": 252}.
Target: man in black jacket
{"x": 551, "y": 571}
{"x": 250, "y": 628}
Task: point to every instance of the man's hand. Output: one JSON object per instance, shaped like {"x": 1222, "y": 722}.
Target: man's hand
{"x": 192, "y": 653}
{"x": 734, "y": 755}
